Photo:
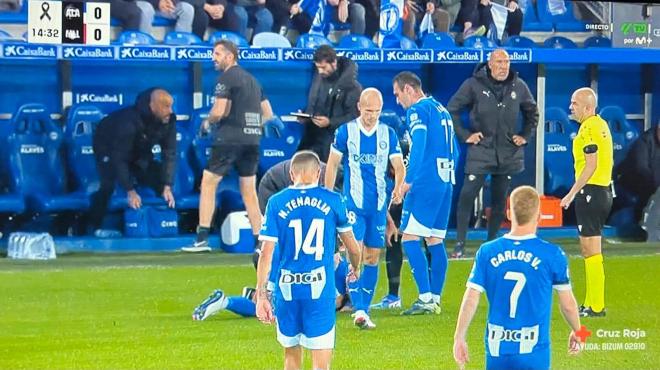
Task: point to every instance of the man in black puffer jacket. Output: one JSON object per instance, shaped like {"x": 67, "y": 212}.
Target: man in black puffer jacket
{"x": 495, "y": 96}
{"x": 332, "y": 100}
{"x": 123, "y": 143}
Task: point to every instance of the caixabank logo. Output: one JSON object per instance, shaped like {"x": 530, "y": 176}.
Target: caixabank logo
{"x": 411, "y": 56}
{"x": 515, "y": 55}
{"x": 298, "y": 55}
{"x": 458, "y": 56}
{"x": 99, "y": 98}
{"x": 262, "y": 54}
{"x": 87, "y": 52}
{"x": 29, "y": 51}
{"x": 200, "y": 54}
{"x": 362, "y": 55}
{"x": 144, "y": 53}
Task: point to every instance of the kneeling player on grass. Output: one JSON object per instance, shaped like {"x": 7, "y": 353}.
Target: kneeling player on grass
{"x": 518, "y": 273}
{"x": 244, "y": 305}
{"x": 303, "y": 220}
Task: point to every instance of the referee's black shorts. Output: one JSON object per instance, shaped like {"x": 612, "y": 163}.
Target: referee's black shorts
{"x": 592, "y": 206}
{"x": 224, "y": 156}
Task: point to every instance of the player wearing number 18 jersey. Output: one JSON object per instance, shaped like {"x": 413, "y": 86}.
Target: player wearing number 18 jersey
{"x": 304, "y": 220}
{"x": 518, "y": 273}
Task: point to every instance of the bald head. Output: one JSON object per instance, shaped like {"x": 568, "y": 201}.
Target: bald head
{"x": 499, "y": 64}
{"x": 305, "y": 168}
{"x": 161, "y": 104}
{"x": 583, "y": 104}
{"x": 370, "y": 106}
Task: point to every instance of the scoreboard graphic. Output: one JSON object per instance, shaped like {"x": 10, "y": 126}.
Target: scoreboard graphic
{"x": 68, "y": 22}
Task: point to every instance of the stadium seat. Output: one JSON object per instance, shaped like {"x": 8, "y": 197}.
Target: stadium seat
{"x": 559, "y": 42}
{"x": 558, "y": 158}
{"x": 270, "y": 40}
{"x": 531, "y": 21}
{"x": 135, "y": 38}
{"x": 184, "y": 182}
{"x": 565, "y": 22}
{"x": 309, "y": 41}
{"x": 278, "y": 144}
{"x": 398, "y": 43}
{"x": 478, "y": 42}
{"x": 623, "y": 133}
{"x": 36, "y": 165}
{"x": 520, "y": 42}
{"x": 438, "y": 40}
{"x": 598, "y": 42}
{"x": 16, "y": 17}
{"x": 390, "y": 118}
{"x": 356, "y": 42}
{"x": 181, "y": 38}
{"x": 231, "y": 36}
{"x": 79, "y": 129}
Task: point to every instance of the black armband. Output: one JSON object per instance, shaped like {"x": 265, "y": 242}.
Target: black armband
{"x": 589, "y": 149}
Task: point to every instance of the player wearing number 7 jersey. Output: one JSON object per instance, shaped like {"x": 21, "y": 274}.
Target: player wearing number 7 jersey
{"x": 304, "y": 220}
{"x": 518, "y": 273}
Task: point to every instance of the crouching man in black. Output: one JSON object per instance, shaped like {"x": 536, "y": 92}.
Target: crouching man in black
{"x": 123, "y": 143}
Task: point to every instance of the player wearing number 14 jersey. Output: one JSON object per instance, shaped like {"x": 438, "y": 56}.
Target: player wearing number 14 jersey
{"x": 304, "y": 220}
{"x": 518, "y": 273}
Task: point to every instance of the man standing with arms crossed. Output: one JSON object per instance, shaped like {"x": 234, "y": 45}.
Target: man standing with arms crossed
{"x": 430, "y": 175}
{"x": 366, "y": 146}
{"x": 594, "y": 159}
{"x": 304, "y": 220}
{"x": 239, "y": 111}
{"x": 518, "y": 272}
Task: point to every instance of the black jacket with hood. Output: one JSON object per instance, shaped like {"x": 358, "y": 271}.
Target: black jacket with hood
{"x": 126, "y": 138}
{"x": 494, "y": 109}
{"x": 335, "y": 97}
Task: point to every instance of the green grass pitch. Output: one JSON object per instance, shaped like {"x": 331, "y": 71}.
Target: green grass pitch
{"x": 134, "y": 311}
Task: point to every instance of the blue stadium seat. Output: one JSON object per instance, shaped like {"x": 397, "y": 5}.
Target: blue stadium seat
{"x": 356, "y": 42}
{"x": 438, "y": 40}
{"x": 598, "y": 42}
{"x": 36, "y": 165}
{"x": 270, "y": 40}
{"x": 184, "y": 182}
{"x": 531, "y": 21}
{"x": 135, "y": 38}
{"x": 278, "y": 144}
{"x": 478, "y": 42}
{"x": 398, "y": 43}
{"x": 623, "y": 133}
{"x": 231, "y": 36}
{"x": 390, "y": 118}
{"x": 558, "y": 157}
{"x": 79, "y": 129}
{"x": 565, "y": 22}
{"x": 520, "y": 42}
{"x": 559, "y": 42}
{"x": 309, "y": 41}
{"x": 15, "y": 17}
{"x": 181, "y": 38}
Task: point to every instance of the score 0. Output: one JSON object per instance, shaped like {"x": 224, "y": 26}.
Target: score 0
{"x": 97, "y": 23}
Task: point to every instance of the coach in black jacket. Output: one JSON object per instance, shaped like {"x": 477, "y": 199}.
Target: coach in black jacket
{"x": 495, "y": 96}
{"x": 123, "y": 148}
{"x": 332, "y": 100}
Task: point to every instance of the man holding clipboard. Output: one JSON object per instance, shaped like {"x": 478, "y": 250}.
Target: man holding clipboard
{"x": 332, "y": 100}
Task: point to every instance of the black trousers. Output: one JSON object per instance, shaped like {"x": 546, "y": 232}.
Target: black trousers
{"x": 150, "y": 176}
{"x": 499, "y": 186}
{"x": 126, "y": 12}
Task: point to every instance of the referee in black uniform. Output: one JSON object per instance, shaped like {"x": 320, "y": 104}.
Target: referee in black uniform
{"x": 238, "y": 112}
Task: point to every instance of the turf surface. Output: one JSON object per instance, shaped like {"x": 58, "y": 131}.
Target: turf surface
{"x": 134, "y": 311}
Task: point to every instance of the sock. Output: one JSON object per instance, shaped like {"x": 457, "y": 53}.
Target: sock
{"x": 355, "y": 292}
{"x": 202, "y": 233}
{"x": 418, "y": 265}
{"x": 438, "y": 268}
{"x": 241, "y": 306}
{"x": 596, "y": 278}
{"x": 393, "y": 261}
{"x": 436, "y": 298}
{"x": 587, "y": 285}
{"x": 369, "y": 279}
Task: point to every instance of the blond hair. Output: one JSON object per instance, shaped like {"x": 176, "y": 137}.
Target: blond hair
{"x": 525, "y": 203}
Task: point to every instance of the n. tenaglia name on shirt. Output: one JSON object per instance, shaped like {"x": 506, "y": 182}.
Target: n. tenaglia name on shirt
{"x": 514, "y": 255}
{"x": 305, "y": 201}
